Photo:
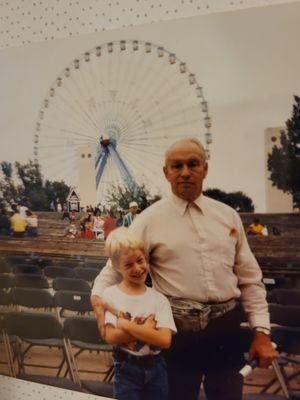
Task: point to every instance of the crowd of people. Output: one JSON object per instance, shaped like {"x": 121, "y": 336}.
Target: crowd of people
{"x": 93, "y": 223}
{"x": 18, "y": 221}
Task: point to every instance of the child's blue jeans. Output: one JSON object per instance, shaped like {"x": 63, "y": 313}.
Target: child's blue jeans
{"x": 141, "y": 382}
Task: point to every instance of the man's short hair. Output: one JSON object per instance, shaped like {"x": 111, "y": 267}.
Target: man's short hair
{"x": 119, "y": 242}
{"x": 186, "y": 140}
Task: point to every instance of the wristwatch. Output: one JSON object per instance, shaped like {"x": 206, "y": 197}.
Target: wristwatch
{"x": 261, "y": 329}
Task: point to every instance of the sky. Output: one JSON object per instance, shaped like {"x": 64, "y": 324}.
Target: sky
{"x": 247, "y": 62}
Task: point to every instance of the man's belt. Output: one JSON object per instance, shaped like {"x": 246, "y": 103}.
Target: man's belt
{"x": 191, "y": 315}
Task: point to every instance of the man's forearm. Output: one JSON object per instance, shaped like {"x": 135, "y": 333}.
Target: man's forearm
{"x": 107, "y": 277}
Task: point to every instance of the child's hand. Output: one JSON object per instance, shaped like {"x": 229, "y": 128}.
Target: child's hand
{"x": 150, "y": 321}
{"x": 122, "y": 323}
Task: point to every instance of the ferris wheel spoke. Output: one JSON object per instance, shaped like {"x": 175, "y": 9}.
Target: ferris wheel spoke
{"x": 73, "y": 111}
{"x": 89, "y": 91}
{"x": 142, "y": 150}
{"x": 161, "y": 101}
{"x": 56, "y": 128}
{"x": 136, "y": 166}
{"x": 149, "y": 157}
{"x": 175, "y": 113}
{"x": 163, "y": 127}
{"x": 82, "y": 106}
{"x": 64, "y": 141}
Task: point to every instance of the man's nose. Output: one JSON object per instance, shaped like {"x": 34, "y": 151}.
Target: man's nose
{"x": 185, "y": 171}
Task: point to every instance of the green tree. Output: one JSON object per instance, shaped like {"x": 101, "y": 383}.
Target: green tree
{"x": 10, "y": 191}
{"x": 120, "y": 197}
{"x": 31, "y": 177}
{"x": 57, "y": 192}
{"x": 237, "y": 200}
{"x": 284, "y": 161}
{"x": 24, "y": 182}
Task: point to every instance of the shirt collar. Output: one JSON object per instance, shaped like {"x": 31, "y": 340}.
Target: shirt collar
{"x": 182, "y": 205}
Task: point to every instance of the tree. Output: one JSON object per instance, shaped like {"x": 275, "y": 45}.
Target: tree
{"x": 120, "y": 197}
{"x": 284, "y": 161}
{"x": 237, "y": 200}
{"x": 8, "y": 189}
{"x": 24, "y": 182}
{"x": 31, "y": 177}
{"x": 57, "y": 192}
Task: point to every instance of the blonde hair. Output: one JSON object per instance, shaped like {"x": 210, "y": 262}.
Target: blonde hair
{"x": 120, "y": 241}
{"x": 186, "y": 140}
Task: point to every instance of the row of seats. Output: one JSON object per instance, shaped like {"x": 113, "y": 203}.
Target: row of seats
{"x": 63, "y": 300}
{"x": 22, "y": 331}
{"x": 40, "y": 278}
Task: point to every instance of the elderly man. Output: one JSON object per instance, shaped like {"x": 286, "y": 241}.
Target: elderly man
{"x": 199, "y": 257}
{"x": 130, "y": 216}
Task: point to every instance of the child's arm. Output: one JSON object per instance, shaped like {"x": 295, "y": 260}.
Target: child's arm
{"x": 117, "y": 336}
{"x": 147, "y": 332}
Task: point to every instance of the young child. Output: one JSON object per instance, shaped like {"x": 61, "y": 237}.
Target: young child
{"x": 144, "y": 324}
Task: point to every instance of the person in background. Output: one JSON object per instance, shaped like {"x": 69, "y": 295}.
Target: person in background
{"x": 87, "y": 230}
{"x": 22, "y": 209}
{"x": 66, "y": 215}
{"x": 257, "y": 228}
{"x": 109, "y": 223}
{"x": 18, "y": 224}
{"x": 71, "y": 231}
{"x": 130, "y": 216}
{"x": 4, "y": 222}
{"x": 98, "y": 226}
{"x": 32, "y": 224}
{"x": 120, "y": 217}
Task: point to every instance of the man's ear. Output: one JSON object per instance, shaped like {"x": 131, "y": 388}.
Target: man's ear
{"x": 165, "y": 169}
{"x": 205, "y": 169}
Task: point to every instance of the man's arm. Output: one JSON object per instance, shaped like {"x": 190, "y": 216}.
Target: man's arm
{"x": 108, "y": 276}
{"x": 253, "y": 298}
{"x": 262, "y": 348}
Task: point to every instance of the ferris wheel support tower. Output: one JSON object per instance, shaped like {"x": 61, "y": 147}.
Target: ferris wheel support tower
{"x": 86, "y": 176}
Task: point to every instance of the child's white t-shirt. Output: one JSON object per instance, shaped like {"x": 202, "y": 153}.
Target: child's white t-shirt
{"x": 139, "y": 307}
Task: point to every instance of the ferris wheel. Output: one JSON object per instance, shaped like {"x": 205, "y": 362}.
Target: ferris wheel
{"x": 127, "y": 101}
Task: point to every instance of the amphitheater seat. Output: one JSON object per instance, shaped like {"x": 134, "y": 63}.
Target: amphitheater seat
{"x": 78, "y": 302}
{"x": 72, "y": 284}
{"x": 31, "y": 280}
{"x": 88, "y": 274}
{"x": 59, "y": 272}
{"x": 32, "y": 298}
{"x": 39, "y": 329}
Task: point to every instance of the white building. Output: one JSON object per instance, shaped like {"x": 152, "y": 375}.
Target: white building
{"x": 86, "y": 176}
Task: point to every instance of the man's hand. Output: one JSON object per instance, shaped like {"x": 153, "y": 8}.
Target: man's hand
{"x": 99, "y": 307}
{"x": 262, "y": 348}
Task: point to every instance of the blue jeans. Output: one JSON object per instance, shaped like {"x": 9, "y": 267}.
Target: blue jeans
{"x": 139, "y": 382}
